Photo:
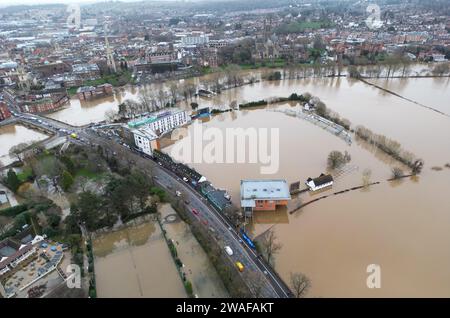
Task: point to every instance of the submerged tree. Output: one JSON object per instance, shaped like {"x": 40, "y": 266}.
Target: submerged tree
{"x": 269, "y": 245}
{"x": 300, "y": 284}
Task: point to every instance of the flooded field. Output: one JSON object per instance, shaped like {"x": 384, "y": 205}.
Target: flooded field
{"x": 199, "y": 271}
{"x": 12, "y": 135}
{"x": 402, "y": 226}
{"x": 135, "y": 262}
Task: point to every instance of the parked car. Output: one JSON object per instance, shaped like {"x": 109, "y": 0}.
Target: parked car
{"x": 240, "y": 266}
{"x": 195, "y": 211}
{"x": 228, "y": 250}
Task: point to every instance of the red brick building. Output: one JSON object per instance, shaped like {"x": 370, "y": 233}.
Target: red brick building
{"x": 4, "y": 111}
{"x": 91, "y": 92}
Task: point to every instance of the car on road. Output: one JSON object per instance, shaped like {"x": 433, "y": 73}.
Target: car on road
{"x": 228, "y": 250}
{"x": 195, "y": 211}
{"x": 185, "y": 179}
{"x": 240, "y": 266}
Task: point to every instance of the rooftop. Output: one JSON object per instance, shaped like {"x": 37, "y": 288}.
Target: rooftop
{"x": 152, "y": 118}
{"x": 275, "y": 189}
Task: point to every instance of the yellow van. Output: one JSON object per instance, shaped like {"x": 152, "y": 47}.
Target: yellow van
{"x": 240, "y": 266}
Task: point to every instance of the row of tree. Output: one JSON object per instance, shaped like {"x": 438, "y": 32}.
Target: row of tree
{"x": 391, "y": 147}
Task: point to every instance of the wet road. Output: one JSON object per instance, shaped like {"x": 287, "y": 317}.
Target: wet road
{"x": 266, "y": 284}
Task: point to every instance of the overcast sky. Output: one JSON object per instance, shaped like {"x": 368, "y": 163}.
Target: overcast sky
{"x": 4, "y": 3}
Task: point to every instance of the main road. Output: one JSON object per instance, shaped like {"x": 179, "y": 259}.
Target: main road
{"x": 265, "y": 282}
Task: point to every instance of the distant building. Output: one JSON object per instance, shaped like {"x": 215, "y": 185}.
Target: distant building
{"x": 88, "y": 71}
{"x": 320, "y": 182}
{"x": 36, "y": 101}
{"x": 201, "y": 39}
{"x": 50, "y": 69}
{"x": 4, "y": 111}
{"x": 91, "y": 92}
{"x": 264, "y": 195}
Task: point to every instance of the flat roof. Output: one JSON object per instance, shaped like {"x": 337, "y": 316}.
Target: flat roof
{"x": 274, "y": 189}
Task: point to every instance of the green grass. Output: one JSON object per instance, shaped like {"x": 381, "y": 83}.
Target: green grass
{"x": 26, "y": 173}
{"x": 115, "y": 80}
{"x": 83, "y": 172}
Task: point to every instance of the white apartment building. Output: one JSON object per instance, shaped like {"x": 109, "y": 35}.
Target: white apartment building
{"x": 147, "y": 130}
{"x": 146, "y": 140}
{"x": 167, "y": 121}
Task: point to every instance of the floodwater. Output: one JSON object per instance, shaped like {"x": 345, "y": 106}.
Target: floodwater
{"x": 206, "y": 283}
{"x": 403, "y": 226}
{"x": 135, "y": 262}
{"x": 12, "y": 135}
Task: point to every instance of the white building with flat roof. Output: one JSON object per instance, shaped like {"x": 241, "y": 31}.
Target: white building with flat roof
{"x": 264, "y": 195}
{"x": 163, "y": 121}
{"x": 145, "y": 140}
{"x": 147, "y": 130}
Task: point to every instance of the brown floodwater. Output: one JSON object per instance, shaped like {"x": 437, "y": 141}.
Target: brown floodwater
{"x": 402, "y": 226}
{"x": 135, "y": 262}
{"x": 12, "y": 135}
{"x": 198, "y": 269}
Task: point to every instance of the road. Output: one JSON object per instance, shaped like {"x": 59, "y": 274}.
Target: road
{"x": 265, "y": 284}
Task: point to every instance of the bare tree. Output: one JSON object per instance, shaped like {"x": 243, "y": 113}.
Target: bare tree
{"x": 16, "y": 151}
{"x": 366, "y": 175}
{"x": 257, "y": 283}
{"x": 300, "y": 284}
{"x": 110, "y": 115}
{"x": 269, "y": 245}
{"x": 397, "y": 173}
{"x": 173, "y": 88}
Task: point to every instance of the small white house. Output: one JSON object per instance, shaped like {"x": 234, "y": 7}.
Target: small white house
{"x": 320, "y": 182}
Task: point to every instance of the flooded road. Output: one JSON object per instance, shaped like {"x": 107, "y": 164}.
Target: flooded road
{"x": 135, "y": 262}
{"x": 198, "y": 269}
{"x": 12, "y": 135}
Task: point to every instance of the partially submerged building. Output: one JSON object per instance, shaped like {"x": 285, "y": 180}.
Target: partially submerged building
{"x": 321, "y": 182}
{"x": 264, "y": 195}
{"x": 92, "y": 92}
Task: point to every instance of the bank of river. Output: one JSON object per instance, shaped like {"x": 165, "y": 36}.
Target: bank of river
{"x": 12, "y": 135}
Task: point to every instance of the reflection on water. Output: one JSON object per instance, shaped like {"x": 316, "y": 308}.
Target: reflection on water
{"x": 12, "y": 135}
